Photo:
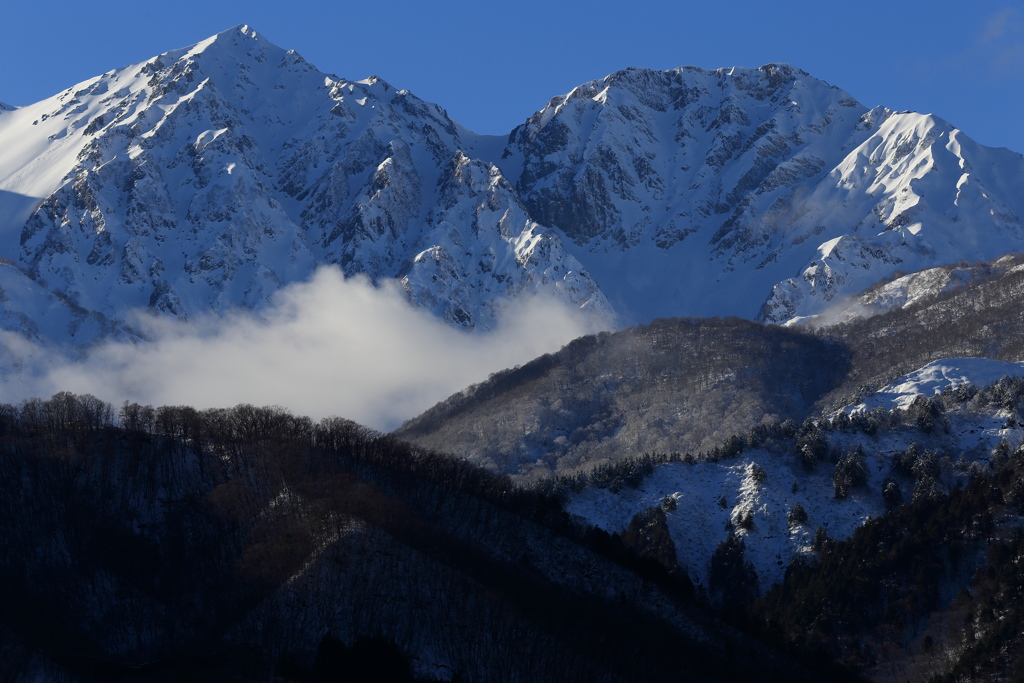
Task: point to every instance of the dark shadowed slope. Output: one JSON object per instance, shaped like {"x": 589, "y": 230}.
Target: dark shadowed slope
{"x": 674, "y": 385}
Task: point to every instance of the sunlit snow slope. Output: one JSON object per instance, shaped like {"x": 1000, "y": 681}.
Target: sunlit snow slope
{"x": 935, "y": 378}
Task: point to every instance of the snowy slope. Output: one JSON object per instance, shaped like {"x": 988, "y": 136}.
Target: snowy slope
{"x": 935, "y": 378}
{"x": 709, "y": 499}
{"x": 700, "y": 522}
{"x": 918, "y": 193}
{"x": 906, "y": 290}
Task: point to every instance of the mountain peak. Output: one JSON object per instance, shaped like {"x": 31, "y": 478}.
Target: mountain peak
{"x": 240, "y": 43}
{"x": 241, "y": 34}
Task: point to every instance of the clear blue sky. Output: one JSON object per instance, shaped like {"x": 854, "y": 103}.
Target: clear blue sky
{"x": 493, "y": 64}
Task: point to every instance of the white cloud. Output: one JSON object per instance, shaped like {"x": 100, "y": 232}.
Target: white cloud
{"x": 329, "y": 346}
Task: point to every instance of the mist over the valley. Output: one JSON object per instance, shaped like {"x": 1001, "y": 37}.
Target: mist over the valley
{"x": 329, "y": 346}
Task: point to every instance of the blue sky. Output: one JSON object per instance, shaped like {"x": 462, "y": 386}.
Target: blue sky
{"x": 493, "y": 64}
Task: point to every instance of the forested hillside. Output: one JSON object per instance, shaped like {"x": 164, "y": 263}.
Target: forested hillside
{"x": 173, "y": 544}
{"x": 888, "y": 541}
{"x": 674, "y": 385}
{"x": 245, "y": 544}
{"x": 930, "y": 591}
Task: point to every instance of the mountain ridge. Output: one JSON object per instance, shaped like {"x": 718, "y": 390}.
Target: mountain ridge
{"x": 207, "y": 178}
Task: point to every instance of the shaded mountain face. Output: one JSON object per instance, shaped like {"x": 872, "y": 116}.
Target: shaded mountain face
{"x": 209, "y": 177}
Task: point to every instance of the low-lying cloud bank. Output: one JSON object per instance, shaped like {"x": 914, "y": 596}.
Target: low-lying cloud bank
{"x": 330, "y": 346}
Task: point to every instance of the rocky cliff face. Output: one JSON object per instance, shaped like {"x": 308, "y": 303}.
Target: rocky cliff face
{"x": 209, "y": 177}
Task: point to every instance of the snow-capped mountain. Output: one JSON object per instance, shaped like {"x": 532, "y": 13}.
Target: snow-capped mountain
{"x": 209, "y": 177}
{"x": 756, "y": 191}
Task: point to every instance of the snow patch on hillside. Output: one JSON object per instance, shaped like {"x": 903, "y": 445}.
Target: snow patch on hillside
{"x": 712, "y": 497}
{"x": 935, "y": 377}
{"x": 907, "y": 290}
